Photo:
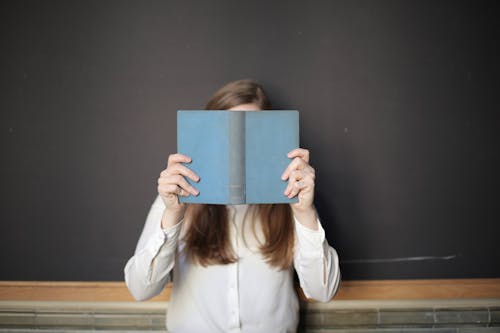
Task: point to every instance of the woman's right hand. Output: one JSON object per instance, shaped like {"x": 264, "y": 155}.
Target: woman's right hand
{"x": 172, "y": 183}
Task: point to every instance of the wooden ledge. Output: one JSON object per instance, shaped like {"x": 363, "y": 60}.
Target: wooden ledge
{"x": 419, "y": 289}
{"x": 161, "y": 306}
{"x": 349, "y": 290}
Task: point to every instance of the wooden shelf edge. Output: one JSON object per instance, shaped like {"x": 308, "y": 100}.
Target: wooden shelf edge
{"x": 96, "y": 291}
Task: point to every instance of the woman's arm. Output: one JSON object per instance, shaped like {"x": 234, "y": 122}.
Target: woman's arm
{"x": 148, "y": 271}
{"x": 316, "y": 263}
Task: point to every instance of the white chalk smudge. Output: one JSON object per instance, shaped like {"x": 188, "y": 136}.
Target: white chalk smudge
{"x": 398, "y": 259}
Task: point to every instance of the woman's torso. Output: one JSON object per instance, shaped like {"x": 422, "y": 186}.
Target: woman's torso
{"x": 247, "y": 296}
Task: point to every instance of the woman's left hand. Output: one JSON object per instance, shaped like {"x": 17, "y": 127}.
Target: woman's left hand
{"x": 300, "y": 177}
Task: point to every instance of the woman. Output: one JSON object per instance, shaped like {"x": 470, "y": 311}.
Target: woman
{"x": 232, "y": 266}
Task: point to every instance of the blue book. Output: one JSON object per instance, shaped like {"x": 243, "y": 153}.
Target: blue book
{"x": 238, "y": 155}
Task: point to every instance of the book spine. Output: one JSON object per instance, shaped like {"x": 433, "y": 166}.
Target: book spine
{"x": 237, "y": 157}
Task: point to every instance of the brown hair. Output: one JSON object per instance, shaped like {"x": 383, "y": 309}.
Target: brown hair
{"x": 237, "y": 93}
{"x": 207, "y": 236}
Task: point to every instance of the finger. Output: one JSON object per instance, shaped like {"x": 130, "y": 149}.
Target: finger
{"x": 295, "y": 189}
{"x": 305, "y": 177}
{"x": 299, "y": 186}
{"x": 168, "y": 189}
{"x": 179, "y": 169}
{"x": 180, "y": 182}
{"x": 178, "y": 158}
{"x": 296, "y": 164}
{"x": 300, "y": 152}
{"x": 183, "y": 193}
{"x": 183, "y": 184}
{"x": 295, "y": 176}
{"x": 172, "y": 189}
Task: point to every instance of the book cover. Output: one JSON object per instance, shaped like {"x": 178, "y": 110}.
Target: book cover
{"x": 239, "y": 155}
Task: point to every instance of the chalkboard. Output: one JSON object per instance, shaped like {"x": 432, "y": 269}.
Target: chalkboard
{"x": 399, "y": 108}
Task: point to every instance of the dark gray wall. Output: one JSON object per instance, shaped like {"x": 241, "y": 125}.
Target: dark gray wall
{"x": 398, "y": 101}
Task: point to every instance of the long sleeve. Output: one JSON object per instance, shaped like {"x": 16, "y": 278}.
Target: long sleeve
{"x": 148, "y": 271}
{"x": 316, "y": 263}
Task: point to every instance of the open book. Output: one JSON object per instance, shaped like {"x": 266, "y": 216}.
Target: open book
{"x": 238, "y": 155}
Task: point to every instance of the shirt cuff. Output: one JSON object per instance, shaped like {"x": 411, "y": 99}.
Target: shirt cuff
{"x": 164, "y": 237}
{"x": 310, "y": 241}
{"x": 170, "y": 232}
{"x": 166, "y": 240}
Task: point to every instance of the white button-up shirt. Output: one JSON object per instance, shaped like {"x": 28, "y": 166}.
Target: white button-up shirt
{"x": 246, "y": 296}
